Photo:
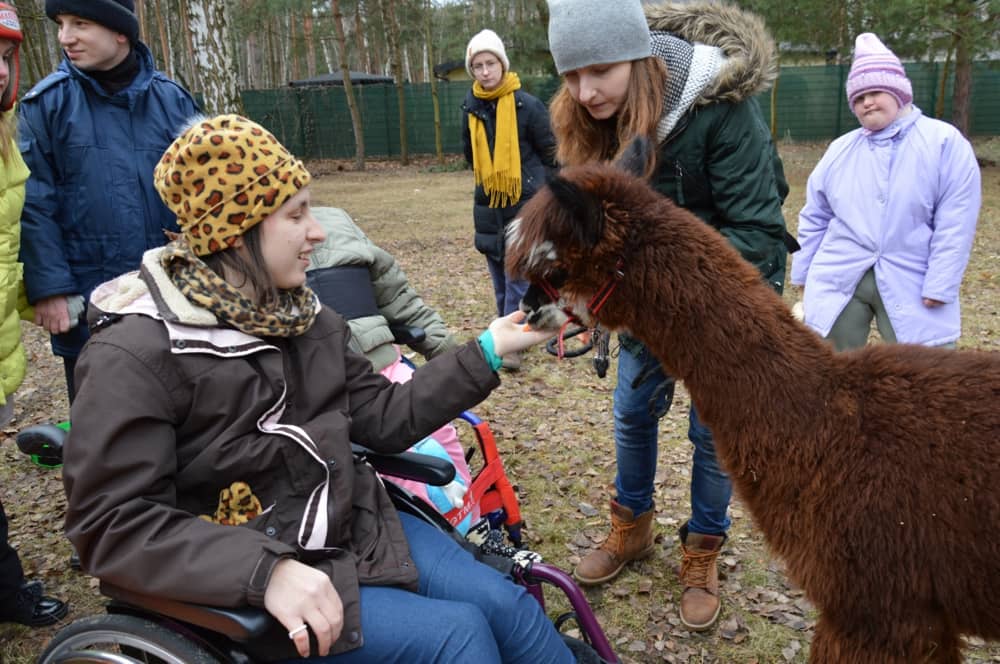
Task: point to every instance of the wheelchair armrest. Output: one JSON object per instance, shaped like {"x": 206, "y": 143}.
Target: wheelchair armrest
{"x": 406, "y": 335}
{"x": 408, "y": 465}
{"x": 240, "y": 623}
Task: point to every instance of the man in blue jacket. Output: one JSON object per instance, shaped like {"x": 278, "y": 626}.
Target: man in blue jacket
{"x": 91, "y": 133}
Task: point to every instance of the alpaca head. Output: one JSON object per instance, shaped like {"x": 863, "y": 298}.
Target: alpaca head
{"x": 579, "y": 236}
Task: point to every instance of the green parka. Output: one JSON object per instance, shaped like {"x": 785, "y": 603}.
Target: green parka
{"x": 716, "y": 156}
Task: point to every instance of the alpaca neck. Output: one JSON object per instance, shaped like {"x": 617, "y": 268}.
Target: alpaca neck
{"x": 746, "y": 362}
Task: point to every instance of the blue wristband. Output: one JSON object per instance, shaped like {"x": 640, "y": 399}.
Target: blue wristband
{"x": 486, "y": 343}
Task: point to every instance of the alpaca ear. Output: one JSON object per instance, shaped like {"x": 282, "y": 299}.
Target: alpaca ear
{"x": 634, "y": 158}
{"x": 584, "y": 215}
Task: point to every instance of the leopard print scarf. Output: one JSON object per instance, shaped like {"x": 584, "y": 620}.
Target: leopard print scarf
{"x": 294, "y": 314}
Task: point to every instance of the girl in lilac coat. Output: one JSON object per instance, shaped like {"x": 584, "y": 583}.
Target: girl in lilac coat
{"x": 889, "y": 218}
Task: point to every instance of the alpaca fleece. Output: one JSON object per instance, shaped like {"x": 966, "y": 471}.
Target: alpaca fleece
{"x": 872, "y": 473}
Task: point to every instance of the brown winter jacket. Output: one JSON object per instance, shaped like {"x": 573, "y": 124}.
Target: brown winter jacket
{"x": 171, "y": 409}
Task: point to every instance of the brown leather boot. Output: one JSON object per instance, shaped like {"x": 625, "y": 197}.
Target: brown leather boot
{"x": 700, "y": 577}
{"x": 631, "y": 538}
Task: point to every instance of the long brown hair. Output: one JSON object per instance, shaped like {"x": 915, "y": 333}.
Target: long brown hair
{"x": 249, "y": 265}
{"x": 8, "y": 134}
{"x": 580, "y": 138}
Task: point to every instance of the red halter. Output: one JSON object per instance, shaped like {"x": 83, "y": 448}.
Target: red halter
{"x": 596, "y": 303}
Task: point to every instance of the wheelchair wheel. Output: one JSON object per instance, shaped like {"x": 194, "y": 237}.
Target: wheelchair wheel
{"x": 122, "y": 639}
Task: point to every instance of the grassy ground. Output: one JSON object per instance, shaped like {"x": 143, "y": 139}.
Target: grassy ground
{"x": 553, "y": 423}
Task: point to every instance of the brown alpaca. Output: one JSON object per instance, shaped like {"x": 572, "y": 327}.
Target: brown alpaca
{"x": 875, "y": 474}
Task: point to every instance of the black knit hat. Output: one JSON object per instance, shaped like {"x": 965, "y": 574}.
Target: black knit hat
{"x": 117, "y": 15}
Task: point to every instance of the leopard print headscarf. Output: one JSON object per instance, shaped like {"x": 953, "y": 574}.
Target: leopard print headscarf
{"x": 294, "y": 313}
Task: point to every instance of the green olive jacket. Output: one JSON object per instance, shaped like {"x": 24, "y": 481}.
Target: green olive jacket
{"x": 718, "y": 159}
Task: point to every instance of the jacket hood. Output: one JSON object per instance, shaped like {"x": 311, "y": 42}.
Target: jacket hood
{"x": 149, "y": 291}
{"x": 751, "y": 64}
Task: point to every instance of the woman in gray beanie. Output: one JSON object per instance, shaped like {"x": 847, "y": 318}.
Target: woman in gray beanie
{"x": 683, "y": 75}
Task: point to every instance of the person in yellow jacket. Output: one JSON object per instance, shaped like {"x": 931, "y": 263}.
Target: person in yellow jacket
{"x": 21, "y": 601}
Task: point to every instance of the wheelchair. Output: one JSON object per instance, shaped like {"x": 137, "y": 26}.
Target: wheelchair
{"x": 138, "y": 628}
{"x": 142, "y": 628}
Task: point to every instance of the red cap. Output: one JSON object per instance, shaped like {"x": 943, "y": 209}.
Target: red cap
{"x": 10, "y": 27}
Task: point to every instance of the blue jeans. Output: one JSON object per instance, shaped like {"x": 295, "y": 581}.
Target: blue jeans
{"x": 508, "y": 291}
{"x": 464, "y": 611}
{"x": 636, "y": 431}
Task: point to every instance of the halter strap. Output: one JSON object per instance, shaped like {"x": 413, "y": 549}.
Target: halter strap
{"x": 595, "y": 305}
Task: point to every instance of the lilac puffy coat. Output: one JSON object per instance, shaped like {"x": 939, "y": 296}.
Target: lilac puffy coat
{"x": 904, "y": 200}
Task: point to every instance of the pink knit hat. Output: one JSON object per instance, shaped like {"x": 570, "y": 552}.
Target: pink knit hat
{"x": 877, "y": 68}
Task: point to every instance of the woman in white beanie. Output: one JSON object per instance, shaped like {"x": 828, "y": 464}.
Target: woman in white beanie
{"x": 890, "y": 216}
{"x": 508, "y": 142}
{"x": 683, "y": 75}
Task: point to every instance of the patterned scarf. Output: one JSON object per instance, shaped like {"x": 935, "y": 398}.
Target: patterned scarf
{"x": 500, "y": 174}
{"x": 293, "y": 314}
{"x": 691, "y": 68}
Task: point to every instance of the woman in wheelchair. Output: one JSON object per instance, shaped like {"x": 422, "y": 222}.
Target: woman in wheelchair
{"x": 210, "y": 459}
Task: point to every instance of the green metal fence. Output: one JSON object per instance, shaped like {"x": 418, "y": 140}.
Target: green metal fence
{"x": 315, "y": 123}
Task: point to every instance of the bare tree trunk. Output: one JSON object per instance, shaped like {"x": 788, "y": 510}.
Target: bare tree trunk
{"x": 192, "y": 67}
{"x": 40, "y": 51}
{"x": 168, "y": 65}
{"x": 140, "y": 13}
{"x": 942, "y": 84}
{"x": 359, "y": 136}
{"x": 435, "y": 101}
{"x": 215, "y": 60}
{"x": 329, "y": 58}
{"x": 360, "y": 42}
{"x": 310, "y": 43}
{"x": 395, "y": 60}
{"x": 961, "y": 96}
{"x": 293, "y": 60}
{"x": 272, "y": 56}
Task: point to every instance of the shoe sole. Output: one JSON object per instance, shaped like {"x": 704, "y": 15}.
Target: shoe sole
{"x": 703, "y": 627}
{"x": 642, "y": 555}
{"x": 51, "y": 618}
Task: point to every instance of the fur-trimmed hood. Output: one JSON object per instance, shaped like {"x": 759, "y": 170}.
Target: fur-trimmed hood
{"x": 751, "y": 65}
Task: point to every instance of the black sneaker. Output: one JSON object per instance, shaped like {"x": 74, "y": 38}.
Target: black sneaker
{"x": 32, "y": 608}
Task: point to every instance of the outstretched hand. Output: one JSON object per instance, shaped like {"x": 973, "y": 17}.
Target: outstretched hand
{"x": 511, "y": 336}
{"x": 299, "y": 595}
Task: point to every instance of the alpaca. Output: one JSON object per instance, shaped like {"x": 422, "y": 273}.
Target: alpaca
{"x": 871, "y": 473}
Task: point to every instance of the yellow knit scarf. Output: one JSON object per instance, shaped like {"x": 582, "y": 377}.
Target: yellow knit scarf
{"x": 499, "y": 173}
